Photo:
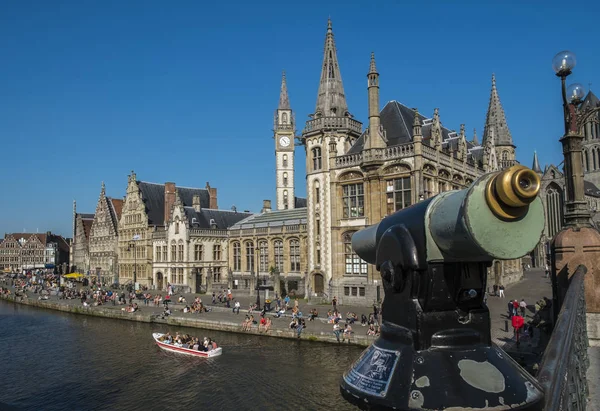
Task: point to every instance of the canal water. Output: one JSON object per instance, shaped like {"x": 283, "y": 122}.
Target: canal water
{"x": 60, "y": 361}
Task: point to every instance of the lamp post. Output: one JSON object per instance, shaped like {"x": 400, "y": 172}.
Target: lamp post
{"x": 578, "y": 241}
{"x": 131, "y": 247}
{"x": 257, "y": 281}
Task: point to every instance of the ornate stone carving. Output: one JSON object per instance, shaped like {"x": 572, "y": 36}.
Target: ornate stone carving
{"x": 352, "y": 175}
{"x": 397, "y": 168}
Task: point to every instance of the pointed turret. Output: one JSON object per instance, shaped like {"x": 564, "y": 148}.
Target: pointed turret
{"x": 284, "y": 100}
{"x": 375, "y": 137}
{"x": 536, "y": 165}
{"x": 331, "y": 100}
{"x": 103, "y": 190}
{"x": 496, "y": 119}
{"x": 475, "y": 140}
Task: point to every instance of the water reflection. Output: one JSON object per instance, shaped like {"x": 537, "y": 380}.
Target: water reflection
{"x": 57, "y": 361}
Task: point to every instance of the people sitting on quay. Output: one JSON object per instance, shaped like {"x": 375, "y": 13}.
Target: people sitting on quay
{"x": 351, "y": 317}
{"x": 264, "y": 325}
{"x": 131, "y": 308}
{"x": 313, "y": 314}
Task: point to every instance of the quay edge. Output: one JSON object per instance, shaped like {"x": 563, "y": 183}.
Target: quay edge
{"x": 358, "y": 340}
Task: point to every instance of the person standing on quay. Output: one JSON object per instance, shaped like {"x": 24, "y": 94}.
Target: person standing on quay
{"x": 334, "y": 303}
{"x": 501, "y": 291}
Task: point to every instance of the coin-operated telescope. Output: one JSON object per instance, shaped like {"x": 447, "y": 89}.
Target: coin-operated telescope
{"x": 435, "y": 350}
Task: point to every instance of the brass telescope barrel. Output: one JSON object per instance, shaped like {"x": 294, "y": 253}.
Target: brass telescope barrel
{"x": 510, "y": 192}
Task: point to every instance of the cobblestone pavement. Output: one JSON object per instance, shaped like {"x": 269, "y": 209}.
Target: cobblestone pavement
{"x": 532, "y": 288}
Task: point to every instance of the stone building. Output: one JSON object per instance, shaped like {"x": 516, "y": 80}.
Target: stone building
{"x": 270, "y": 248}
{"x": 191, "y": 251}
{"x": 590, "y": 129}
{"x": 146, "y": 209}
{"x": 27, "y": 251}
{"x": 80, "y": 247}
{"x": 356, "y": 177}
{"x": 103, "y": 238}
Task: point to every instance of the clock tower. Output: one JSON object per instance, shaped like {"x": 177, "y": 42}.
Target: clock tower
{"x": 284, "y": 150}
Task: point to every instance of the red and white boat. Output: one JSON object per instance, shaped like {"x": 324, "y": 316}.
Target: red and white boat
{"x": 173, "y": 348}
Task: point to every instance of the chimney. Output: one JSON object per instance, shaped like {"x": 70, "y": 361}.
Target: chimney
{"x": 212, "y": 192}
{"x": 196, "y": 203}
{"x": 169, "y": 200}
{"x": 266, "y": 206}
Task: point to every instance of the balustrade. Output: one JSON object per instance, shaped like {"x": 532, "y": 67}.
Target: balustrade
{"x": 333, "y": 123}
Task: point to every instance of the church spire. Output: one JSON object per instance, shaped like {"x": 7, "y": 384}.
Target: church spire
{"x": 475, "y": 140}
{"x": 536, "y": 164}
{"x": 331, "y": 100}
{"x": 496, "y": 119}
{"x": 284, "y": 100}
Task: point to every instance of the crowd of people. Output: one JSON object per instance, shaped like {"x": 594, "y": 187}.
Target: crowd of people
{"x": 189, "y": 342}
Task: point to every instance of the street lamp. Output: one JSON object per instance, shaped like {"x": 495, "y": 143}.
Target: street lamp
{"x": 577, "y": 214}
{"x": 576, "y": 243}
{"x": 256, "y": 281}
{"x": 131, "y": 247}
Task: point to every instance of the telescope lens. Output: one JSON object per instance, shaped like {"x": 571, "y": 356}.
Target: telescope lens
{"x": 524, "y": 183}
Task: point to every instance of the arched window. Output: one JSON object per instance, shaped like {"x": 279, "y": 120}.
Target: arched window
{"x": 317, "y": 192}
{"x": 177, "y": 225}
{"x": 294, "y": 255}
{"x": 354, "y": 264}
{"x": 285, "y": 199}
{"x": 250, "y": 256}
{"x": 263, "y": 250}
{"x": 284, "y": 118}
{"x": 554, "y": 209}
{"x": 237, "y": 256}
{"x": 317, "y": 224}
{"x": 285, "y": 179}
{"x": 586, "y": 160}
{"x": 505, "y": 155}
{"x": 317, "y": 161}
{"x": 278, "y": 251}
{"x": 594, "y": 158}
{"x": 285, "y": 159}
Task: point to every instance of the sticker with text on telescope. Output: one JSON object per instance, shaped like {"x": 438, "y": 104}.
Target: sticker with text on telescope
{"x": 372, "y": 372}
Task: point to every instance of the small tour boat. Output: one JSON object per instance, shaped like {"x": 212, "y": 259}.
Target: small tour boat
{"x": 173, "y": 348}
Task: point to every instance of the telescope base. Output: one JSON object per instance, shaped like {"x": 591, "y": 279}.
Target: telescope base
{"x": 390, "y": 374}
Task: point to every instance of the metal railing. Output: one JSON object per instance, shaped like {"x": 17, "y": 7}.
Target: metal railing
{"x": 563, "y": 369}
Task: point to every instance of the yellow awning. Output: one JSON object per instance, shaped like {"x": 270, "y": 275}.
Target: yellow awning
{"x": 73, "y": 275}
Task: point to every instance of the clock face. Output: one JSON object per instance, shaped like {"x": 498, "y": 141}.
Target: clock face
{"x": 284, "y": 141}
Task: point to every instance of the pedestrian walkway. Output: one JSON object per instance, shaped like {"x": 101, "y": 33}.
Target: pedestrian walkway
{"x": 532, "y": 288}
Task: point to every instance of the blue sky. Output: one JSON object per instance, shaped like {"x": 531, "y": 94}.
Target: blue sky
{"x": 185, "y": 91}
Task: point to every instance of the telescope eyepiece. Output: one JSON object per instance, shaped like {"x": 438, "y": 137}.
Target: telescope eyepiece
{"x": 510, "y": 192}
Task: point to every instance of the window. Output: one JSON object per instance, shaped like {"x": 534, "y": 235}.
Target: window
{"x": 505, "y": 155}
{"x": 285, "y": 199}
{"x": 294, "y": 255}
{"x": 284, "y": 118}
{"x": 263, "y": 249}
{"x": 250, "y": 256}
{"x": 173, "y": 275}
{"x": 317, "y": 161}
{"x": 216, "y": 252}
{"x": 180, "y": 275}
{"x": 246, "y": 283}
{"x": 198, "y": 252}
{"x": 177, "y": 226}
{"x": 278, "y": 250}
{"x": 285, "y": 179}
{"x": 285, "y": 163}
{"x": 354, "y": 265}
{"x": 237, "y": 257}
{"x": 361, "y": 291}
{"x": 354, "y": 201}
{"x": 180, "y": 251}
{"x": 398, "y": 194}
{"x": 217, "y": 274}
{"x": 354, "y": 291}
{"x": 173, "y": 252}
{"x": 165, "y": 256}
{"x": 318, "y": 226}
{"x": 318, "y": 254}
{"x": 158, "y": 253}
{"x": 317, "y": 192}
{"x": 346, "y": 291}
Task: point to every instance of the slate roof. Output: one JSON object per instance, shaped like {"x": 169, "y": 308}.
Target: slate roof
{"x": 274, "y": 219}
{"x": 590, "y": 101}
{"x": 222, "y": 218}
{"x": 397, "y": 120}
{"x": 117, "y": 206}
{"x": 153, "y": 195}
{"x": 299, "y": 202}
{"x": 590, "y": 189}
